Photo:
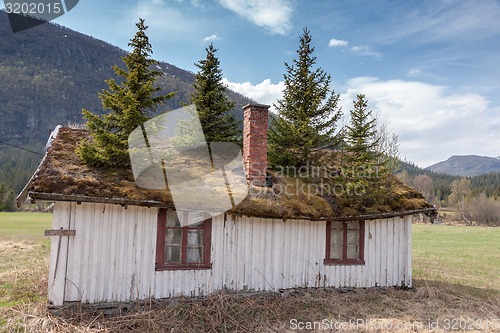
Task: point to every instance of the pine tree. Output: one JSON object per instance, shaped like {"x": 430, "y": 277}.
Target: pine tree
{"x": 131, "y": 102}
{"x": 308, "y": 112}
{"x": 212, "y": 105}
{"x": 364, "y": 166}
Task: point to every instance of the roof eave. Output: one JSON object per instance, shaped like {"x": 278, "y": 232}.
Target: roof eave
{"x": 152, "y": 203}
{"x": 84, "y": 198}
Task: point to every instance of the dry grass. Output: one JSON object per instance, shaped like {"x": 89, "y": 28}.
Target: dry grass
{"x": 429, "y": 302}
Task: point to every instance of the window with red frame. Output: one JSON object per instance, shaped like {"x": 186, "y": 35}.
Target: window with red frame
{"x": 183, "y": 240}
{"x": 345, "y": 243}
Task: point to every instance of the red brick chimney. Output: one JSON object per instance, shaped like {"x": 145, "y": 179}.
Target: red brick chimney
{"x": 255, "y": 123}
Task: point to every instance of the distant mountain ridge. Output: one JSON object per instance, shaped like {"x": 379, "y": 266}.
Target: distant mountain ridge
{"x": 49, "y": 73}
{"x": 467, "y": 165}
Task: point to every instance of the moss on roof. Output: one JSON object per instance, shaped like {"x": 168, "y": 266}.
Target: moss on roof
{"x": 62, "y": 176}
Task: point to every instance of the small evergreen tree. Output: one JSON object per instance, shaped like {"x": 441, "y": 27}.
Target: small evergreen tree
{"x": 7, "y": 198}
{"x": 308, "y": 112}
{"x": 131, "y": 103}
{"x": 211, "y": 103}
{"x": 364, "y": 167}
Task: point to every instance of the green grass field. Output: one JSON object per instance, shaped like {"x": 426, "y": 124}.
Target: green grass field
{"x": 24, "y": 226}
{"x": 24, "y": 254}
{"x": 462, "y": 255}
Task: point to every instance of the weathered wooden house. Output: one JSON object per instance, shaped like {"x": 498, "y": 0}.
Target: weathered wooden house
{"x": 115, "y": 242}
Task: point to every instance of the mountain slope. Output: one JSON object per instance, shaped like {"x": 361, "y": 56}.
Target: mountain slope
{"x": 467, "y": 165}
{"x": 49, "y": 73}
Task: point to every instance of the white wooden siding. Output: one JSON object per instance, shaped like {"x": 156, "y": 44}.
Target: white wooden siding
{"x": 112, "y": 256}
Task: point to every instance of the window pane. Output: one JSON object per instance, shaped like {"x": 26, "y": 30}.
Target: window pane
{"x": 195, "y": 254}
{"x": 172, "y": 254}
{"x": 353, "y": 225}
{"x": 173, "y": 237}
{"x": 336, "y": 237}
{"x": 195, "y": 237}
{"x": 352, "y": 237}
{"x": 195, "y": 246}
{"x": 172, "y": 219}
{"x": 336, "y": 252}
{"x": 337, "y": 226}
{"x": 352, "y": 252}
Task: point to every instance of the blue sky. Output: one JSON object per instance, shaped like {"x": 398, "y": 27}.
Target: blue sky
{"x": 430, "y": 69}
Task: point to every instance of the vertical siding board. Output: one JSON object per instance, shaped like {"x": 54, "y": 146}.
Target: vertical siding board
{"x": 87, "y": 255}
{"x": 383, "y": 254}
{"x": 217, "y": 250}
{"x": 376, "y": 253}
{"x": 241, "y": 246}
{"x": 108, "y": 258}
{"x": 238, "y": 245}
{"x": 400, "y": 252}
{"x": 86, "y": 285}
{"x": 289, "y": 265}
{"x": 96, "y": 263}
{"x": 397, "y": 251}
{"x": 57, "y": 281}
{"x": 82, "y": 253}
{"x": 260, "y": 270}
{"x": 249, "y": 259}
{"x": 395, "y": 273}
{"x": 278, "y": 254}
{"x": 74, "y": 261}
{"x": 101, "y": 246}
{"x": 370, "y": 260}
{"x": 307, "y": 253}
{"x": 269, "y": 255}
{"x": 397, "y": 227}
{"x": 229, "y": 253}
{"x": 321, "y": 269}
{"x": 409, "y": 251}
{"x": 284, "y": 233}
{"x": 116, "y": 267}
{"x": 122, "y": 260}
{"x": 390, "y": 251}
{"x": 297, "y": 258}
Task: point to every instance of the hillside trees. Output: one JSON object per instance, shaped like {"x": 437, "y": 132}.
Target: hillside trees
{"x": 6, "y": 198}
{"x": 307, "y": 114}
{"x": 474, "y": 207}
{"x": 130, "y": 103}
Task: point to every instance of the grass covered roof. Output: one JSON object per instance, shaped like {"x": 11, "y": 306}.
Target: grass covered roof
{"x": 62, "y": 176}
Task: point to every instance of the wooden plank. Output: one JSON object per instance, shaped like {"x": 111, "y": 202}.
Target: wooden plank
{"x": 59, "y": 232}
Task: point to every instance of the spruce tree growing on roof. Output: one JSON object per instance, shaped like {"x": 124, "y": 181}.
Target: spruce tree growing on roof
{"x": 307, "y": 114}
{"x": 130, "y": 103}
{"x": 364, "y": 166}
{"x": 212, "y": 104}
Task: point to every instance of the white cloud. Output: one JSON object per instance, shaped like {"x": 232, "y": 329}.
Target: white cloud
{"x": 211, "y": 38}
{"x": 365, "y": 51}
{"x": 414, "y": 72}
{"x": 273, "y": 15}
{"x": 264, "y": 92}
{"x": 337, "y": 42}
{"x": 433, "y": 123}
